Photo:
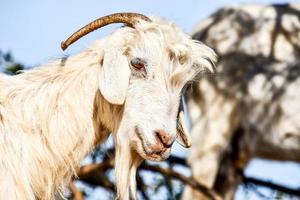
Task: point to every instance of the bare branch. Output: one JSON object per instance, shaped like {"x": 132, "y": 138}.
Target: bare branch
{"x": 187, "y": 180}
{"x": 77, "y": 195}
{"x": 94, "y": 174}
{"x": 268, "y": 184}
{"x": 141, "y": 186}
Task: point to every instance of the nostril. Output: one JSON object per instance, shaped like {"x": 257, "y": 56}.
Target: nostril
{"x": 165, "y": 138}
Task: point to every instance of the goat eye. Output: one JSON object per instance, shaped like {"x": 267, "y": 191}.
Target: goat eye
{"x": 138, "y": 63}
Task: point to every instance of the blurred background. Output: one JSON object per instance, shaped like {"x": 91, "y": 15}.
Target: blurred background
{"x": 31, "y": 32}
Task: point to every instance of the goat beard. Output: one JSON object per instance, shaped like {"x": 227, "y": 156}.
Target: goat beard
{"x": 127, "y": 161}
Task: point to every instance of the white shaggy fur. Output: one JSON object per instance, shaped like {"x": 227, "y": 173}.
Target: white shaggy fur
{"x": 52, "y": 116}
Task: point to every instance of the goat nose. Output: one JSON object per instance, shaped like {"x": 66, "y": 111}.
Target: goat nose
{"x": 165, "y": 138}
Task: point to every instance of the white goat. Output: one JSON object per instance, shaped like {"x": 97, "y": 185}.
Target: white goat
{"x": 251, "y": 108}
{"x": 128, "y": 83}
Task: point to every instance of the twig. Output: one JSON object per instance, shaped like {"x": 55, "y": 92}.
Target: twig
{"x": 187, "y": 180}
{"x": 77, "y": 195}
{"x": 141, "y": 186}
{"x": 177, "y": 160}
{"x": 93, "y": 174}
{"x": 251, "y": 180}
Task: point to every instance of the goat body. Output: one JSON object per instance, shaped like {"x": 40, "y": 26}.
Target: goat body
{"x": 52, "y": 116}
{"x": 44, "y": 135}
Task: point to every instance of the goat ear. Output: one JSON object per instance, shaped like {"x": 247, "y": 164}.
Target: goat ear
{"x": 114, "y": 76}
{"x": 182, "y": 137}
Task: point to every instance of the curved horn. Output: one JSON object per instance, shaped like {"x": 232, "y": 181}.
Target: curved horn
{"x": 183, "y": 136}
{"x": 127, "y": 18}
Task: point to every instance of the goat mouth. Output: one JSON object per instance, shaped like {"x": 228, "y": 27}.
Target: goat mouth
{"x": 154, "y": 155}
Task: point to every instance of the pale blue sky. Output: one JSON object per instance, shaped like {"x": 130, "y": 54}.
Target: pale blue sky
{"x": 33, "y": 29}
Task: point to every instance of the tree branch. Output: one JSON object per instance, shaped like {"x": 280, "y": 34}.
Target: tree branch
{"x": 77, "y": 195}
{"x": 187, "y": 180}
{"x": 94, "y": 174}
{"x": 177, "y": 160}
{"x": 141, "y": 186}
{"x": 268, "y": 184}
